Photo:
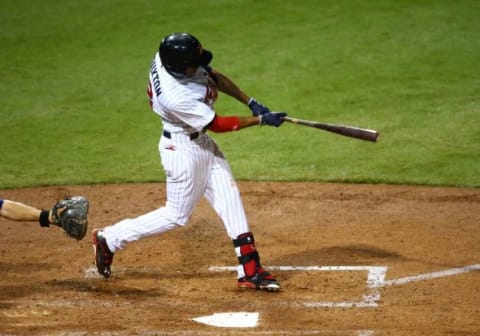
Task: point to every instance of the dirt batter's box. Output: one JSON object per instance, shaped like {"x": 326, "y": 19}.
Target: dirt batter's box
{"x": 349, "y": 274}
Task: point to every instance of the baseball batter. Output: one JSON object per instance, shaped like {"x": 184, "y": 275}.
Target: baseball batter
{"x": 182, "y": 90}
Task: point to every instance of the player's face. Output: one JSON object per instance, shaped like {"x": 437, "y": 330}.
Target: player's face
{"x": 190, "y": 71}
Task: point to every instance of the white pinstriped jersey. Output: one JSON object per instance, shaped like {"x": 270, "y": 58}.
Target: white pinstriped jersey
{"x": 194, "y": 167}
{"x": 185, "y": 105}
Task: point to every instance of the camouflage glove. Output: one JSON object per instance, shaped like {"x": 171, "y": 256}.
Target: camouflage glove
{"x": 71, "y": 215}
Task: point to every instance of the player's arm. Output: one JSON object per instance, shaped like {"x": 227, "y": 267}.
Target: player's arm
{"x": 261, "y": 114}
{"x": 22, "y": 212}
{"x": 221, "y": 124}
{"x": 227, "y": 86}
{"x": 69, "y": 213}
{"x": 19, "y": 211}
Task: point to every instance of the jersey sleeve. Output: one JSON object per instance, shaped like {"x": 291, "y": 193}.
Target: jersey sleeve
{"x": 194, "y": 113}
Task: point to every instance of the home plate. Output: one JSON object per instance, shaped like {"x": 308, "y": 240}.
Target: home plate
{"x": 230, "y": 320}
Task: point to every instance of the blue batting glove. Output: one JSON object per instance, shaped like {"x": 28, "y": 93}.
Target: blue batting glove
{"x": 257, "y": 108}
{"x": 272, "y": 118}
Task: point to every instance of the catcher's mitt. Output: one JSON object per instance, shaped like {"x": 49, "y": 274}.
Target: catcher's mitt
{"x": 71, "y": 215}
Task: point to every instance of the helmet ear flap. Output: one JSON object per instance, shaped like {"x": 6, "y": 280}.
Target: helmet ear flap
{"x": 206, "y": 57}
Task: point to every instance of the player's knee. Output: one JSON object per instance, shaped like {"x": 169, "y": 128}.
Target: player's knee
{"x": 174, "y": 217}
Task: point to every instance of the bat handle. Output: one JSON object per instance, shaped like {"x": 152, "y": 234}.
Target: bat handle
{"x": 289, "y": 119}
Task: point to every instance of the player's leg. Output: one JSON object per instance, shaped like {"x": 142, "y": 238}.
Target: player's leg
{"x": 112, "y": 238}
{"x": 184, "y": 189}
{"x": 223, "y": 194}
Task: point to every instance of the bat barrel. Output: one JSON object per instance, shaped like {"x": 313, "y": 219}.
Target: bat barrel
{"x": 349, "y": 131}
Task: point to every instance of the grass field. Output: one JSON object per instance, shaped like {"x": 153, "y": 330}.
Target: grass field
{"x": 74, "y": 110}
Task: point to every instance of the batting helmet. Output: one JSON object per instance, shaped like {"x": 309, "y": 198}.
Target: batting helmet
{"x": 181, "y": 50}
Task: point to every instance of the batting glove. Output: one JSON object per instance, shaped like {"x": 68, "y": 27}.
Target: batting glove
{"x": 272, "y": 118}
{"x": 257, "y": 108}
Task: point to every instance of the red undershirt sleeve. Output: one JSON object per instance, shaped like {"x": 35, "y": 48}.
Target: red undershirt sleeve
{"x": 221, "y": 124}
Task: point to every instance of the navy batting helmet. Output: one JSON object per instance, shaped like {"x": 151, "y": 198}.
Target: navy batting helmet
{"x": 181, "y": 50}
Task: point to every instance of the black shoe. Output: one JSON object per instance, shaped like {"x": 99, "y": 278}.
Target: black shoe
{"x": 261, "y": 281}
{"x": 103, "y": 256}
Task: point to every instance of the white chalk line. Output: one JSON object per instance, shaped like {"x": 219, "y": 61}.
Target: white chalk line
{"x": 302, "y": 268}
{"x": 209, "y": 333}
{"x": 375, "y": 279}
{"x": 432, "y": 275}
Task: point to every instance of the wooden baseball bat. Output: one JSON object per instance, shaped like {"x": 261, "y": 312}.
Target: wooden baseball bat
{"x": 349, "y": 131}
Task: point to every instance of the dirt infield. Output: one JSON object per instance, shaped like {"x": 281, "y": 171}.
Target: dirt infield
{"x": 352, "y": 260}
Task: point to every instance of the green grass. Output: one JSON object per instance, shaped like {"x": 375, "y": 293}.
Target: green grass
{"x": 74, "y": 111}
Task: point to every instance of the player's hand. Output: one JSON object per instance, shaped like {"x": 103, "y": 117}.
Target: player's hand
{"x": 272, "y": 118}
{"x": 257, "y": 108}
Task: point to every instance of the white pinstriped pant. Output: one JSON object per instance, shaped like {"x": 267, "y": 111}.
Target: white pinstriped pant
{"x": 194, "y": 168}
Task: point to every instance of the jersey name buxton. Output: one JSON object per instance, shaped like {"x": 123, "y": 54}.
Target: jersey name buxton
{"x": 184, "y": 105}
